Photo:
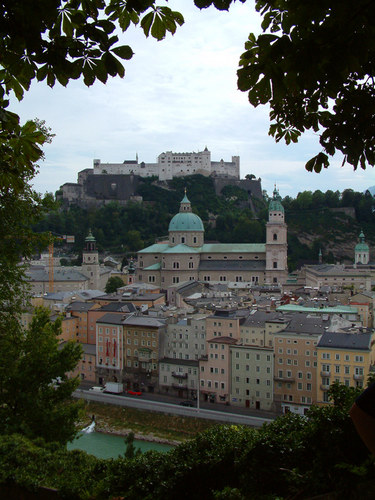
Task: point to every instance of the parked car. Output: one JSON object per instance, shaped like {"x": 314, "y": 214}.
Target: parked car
{"x": 134, "y": 393}
{"x": 187, "y": 403}
{"x": 97, "y": 389}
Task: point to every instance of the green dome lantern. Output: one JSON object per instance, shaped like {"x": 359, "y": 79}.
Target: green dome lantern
{"x": 275, "y": 204}
{"x": 362, "y": 246}
{"x": 361, "y": 251}
{"x": 185, "y": 220}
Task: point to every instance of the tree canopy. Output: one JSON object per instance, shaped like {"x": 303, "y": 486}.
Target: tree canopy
{"x": 35, "y": 391}
{"x": 314, "y": 65}
{"x": 113, "y": 283}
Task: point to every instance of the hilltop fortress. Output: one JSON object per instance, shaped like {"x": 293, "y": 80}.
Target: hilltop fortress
{"x": 107, "y": 182}
{"x": 170, "y": 165}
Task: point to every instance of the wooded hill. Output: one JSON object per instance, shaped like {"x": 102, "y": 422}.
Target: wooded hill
{"x": 329, "y": 221}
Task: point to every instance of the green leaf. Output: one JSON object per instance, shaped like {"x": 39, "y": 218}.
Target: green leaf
{"x": 100, "y": 71}
{"x": 88, "y": 75}
{"x": 67, "y": 26}
{"x": 110, "y": 63}
{"x": 158, "y": 28}
{"x": 125, "y": 52}
{"x": 146, "y": 23}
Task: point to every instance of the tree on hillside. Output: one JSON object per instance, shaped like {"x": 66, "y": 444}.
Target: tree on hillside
{"x": 113, "y": 283}
{"x": 54, "y": 41}
{"x": 35, "y": 393}
{"x": 314, "y": 65}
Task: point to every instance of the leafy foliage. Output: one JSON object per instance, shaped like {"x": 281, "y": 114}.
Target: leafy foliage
{"x": 34, "y": 389}
{"x": 65, "y": 40}
{"x": 314, "y": 66}
{"x": 291, "y": 457}
{"x": 113, "y": 283}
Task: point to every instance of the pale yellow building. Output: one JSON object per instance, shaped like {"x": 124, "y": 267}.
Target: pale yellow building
{"x": 345, "y": 358}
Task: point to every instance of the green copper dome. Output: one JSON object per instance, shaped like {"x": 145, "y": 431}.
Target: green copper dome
{"x": 275, "y": 204}
{"x": 186, "y": 221}
{"x": 90, "y": 237}
{"x": 361, "y": 246}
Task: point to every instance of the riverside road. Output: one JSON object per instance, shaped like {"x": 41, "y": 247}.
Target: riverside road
{"x": 167, "y": 404}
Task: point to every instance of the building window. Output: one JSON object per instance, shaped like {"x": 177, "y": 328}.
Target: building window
{"x": 275, "y": 265}
{"x": 274, "y": 237}
{"x": 176, "y": 265}
{"x": 175, "y": 279}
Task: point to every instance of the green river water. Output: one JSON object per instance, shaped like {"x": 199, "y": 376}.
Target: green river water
{"x": 109, "y": 446}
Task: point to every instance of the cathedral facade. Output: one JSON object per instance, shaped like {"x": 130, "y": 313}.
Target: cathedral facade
{"x": 185, "y": 256}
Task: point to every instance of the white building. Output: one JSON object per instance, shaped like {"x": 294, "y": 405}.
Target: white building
{"x": 170, "y": 165}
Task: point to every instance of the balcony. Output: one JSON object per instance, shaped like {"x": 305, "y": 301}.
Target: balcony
{"x": 358, "y": 377}
{"x": 324, "y": 387}
{"x": 179, "y": 375}
{"x": 180, "y": 386}
{"x": 325, "y": 373}
{"x": 144, "y": 355}
{"x": 284, "y": 379}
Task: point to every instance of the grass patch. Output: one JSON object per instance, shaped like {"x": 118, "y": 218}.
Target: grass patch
{"x": 120, "y": 420}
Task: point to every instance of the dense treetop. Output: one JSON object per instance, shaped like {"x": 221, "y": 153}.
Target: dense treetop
{"x": 315, "y": 66}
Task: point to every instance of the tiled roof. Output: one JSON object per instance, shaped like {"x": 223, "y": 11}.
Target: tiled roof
{"x": 156, "y": 248}
{"x": 80, "y": 306}
{"x": 318, "y": 310}
{"x": 181, "y": 248}
{"x": 153, "y": 267}
{"x": 144, "y": 321}
{"x": 65, "y": 274}
{"x": 345, "y": 340}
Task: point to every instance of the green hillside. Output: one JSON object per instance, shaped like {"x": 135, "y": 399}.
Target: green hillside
{"x": 328, "y": 221}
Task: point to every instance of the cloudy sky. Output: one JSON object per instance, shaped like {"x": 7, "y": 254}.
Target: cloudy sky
{"x": 177, "y": 95}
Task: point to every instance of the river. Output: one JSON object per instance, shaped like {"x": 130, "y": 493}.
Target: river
{"x": 109, "y": 446}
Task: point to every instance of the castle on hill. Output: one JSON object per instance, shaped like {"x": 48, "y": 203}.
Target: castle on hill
{"x": 170, "y": 165}
{"x": 107, "y": 182}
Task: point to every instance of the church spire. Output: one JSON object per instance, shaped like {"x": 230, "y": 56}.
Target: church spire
{"x": 185, "y": 205}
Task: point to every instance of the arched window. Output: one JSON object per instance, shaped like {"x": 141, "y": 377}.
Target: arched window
{"x": 274, "y": 237}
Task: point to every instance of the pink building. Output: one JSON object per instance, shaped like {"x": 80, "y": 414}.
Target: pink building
{"x": 215, "y": 370}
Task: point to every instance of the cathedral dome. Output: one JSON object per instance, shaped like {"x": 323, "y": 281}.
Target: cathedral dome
{"x": 186, "y": 221}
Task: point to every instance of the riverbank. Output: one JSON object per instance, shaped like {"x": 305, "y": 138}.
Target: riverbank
{"x": 146, "y": 425}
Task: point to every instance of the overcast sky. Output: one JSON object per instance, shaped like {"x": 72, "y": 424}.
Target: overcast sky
{"x": 177, "y": 95}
